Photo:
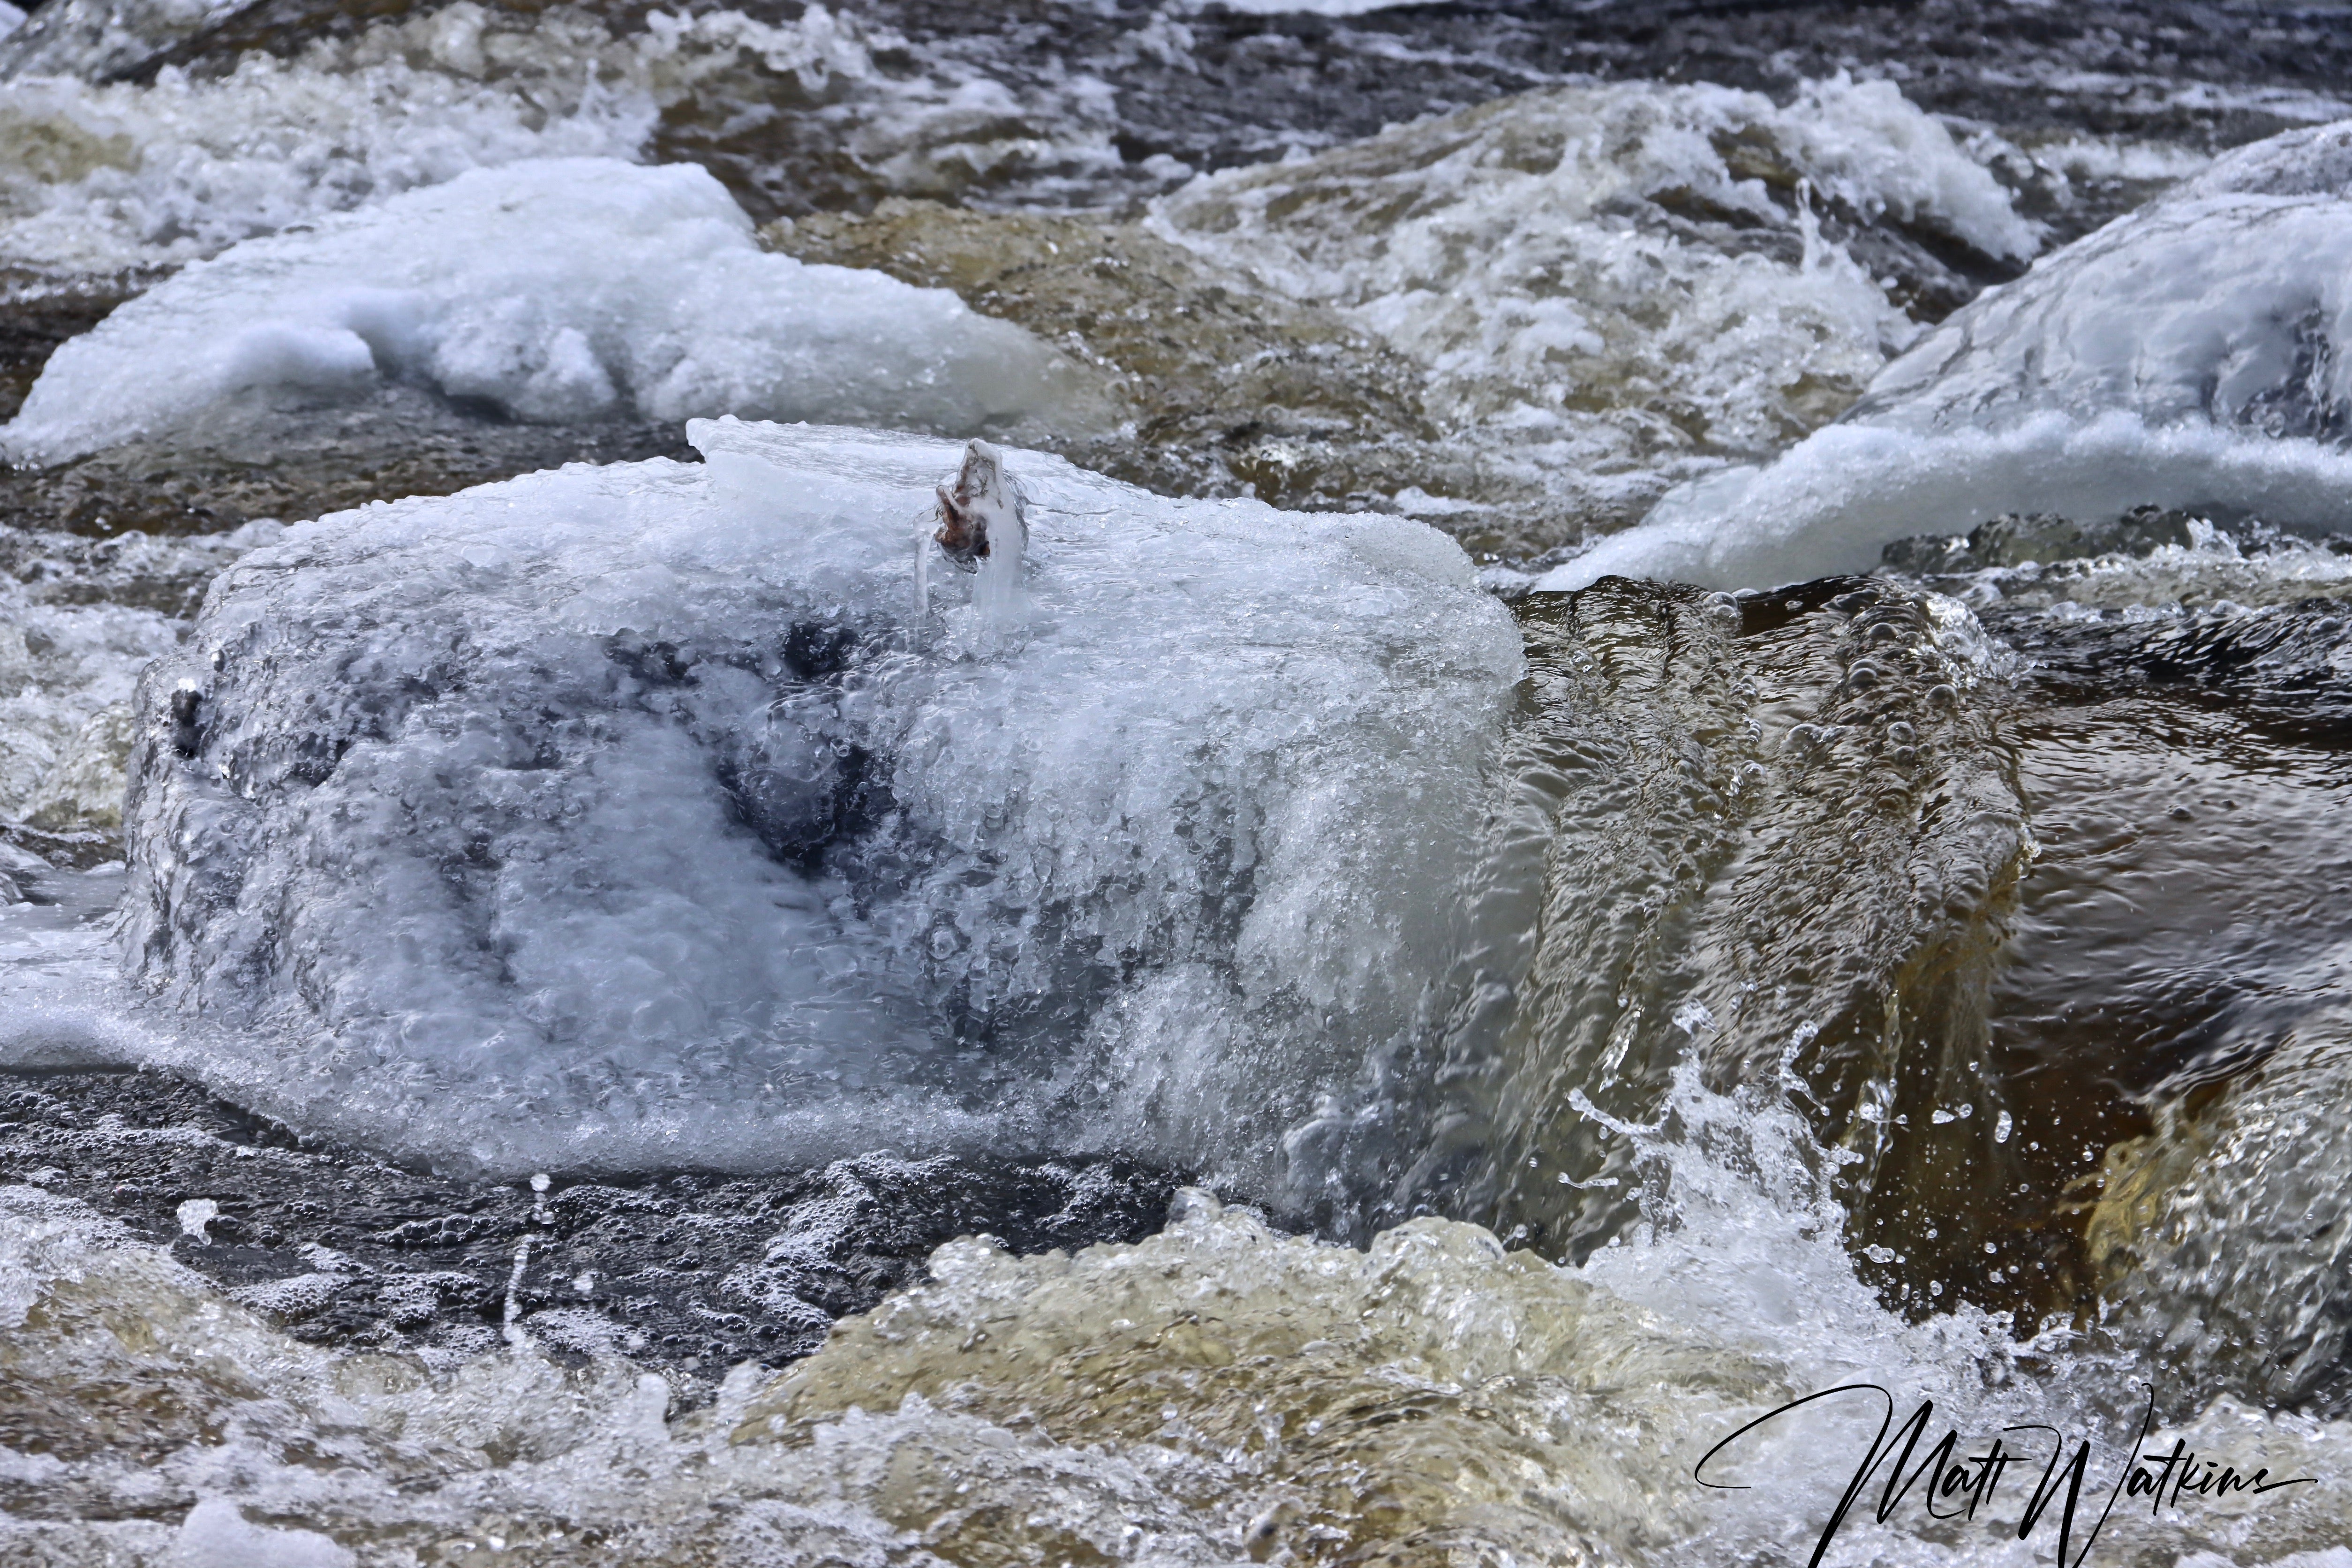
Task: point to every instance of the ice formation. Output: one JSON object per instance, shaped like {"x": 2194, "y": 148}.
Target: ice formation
{"x": 2191, "y": 354}
{"x": 554, "y": 290}
{"x": 610, "y": 808}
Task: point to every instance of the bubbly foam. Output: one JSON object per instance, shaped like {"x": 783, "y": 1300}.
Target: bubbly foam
{"x": 99, "y": 174}
{"x": 102, "y": 178}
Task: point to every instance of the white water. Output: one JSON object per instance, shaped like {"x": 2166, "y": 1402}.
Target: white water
{"x": 1215, "y": 1394}
{"x": 1547, "y": 260}
{"x": 97, "y": 177}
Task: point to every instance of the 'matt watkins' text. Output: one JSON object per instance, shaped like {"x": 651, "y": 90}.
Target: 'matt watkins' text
{"x": 1951, "y": 1484}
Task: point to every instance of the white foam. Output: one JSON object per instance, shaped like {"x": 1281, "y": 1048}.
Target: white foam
{"x": 96, "y": 37}
{"x": 1157, "y": 1403}
{"x": 217, "y": 1535}
{"x": 553, "y": 289}
{"x": 65, "y": 678}
{"x": 101, "y": 178}
{"x": 2188, "y": 354}
{"x": 1164, "y": 830}
{"x": 99, "y": 174}
{"x": 1576, "y": 269}
{"x": 1305, "y": 7}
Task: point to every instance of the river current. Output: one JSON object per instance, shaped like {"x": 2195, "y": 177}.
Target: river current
{"x": 1174, "y": 783}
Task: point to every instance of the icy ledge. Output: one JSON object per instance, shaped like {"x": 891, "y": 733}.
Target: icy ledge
{"x": 650, "y": 815}
{"x": 558, "y": 290}
{"x": 2196, "y": 353}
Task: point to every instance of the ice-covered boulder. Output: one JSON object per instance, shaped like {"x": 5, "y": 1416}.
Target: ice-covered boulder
{"x": 566, "y": 820}
{"x": 555, "y": 290}
{"x": 2196, "y": 353}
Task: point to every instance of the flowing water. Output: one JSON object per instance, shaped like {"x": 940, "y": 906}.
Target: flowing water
{"x": 1165, "y": 784}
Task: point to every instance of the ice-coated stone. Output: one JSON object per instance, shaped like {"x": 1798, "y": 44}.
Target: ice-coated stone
{"x": 556, "y": 821}
{"x": 2192, "y": 354}
{"x": 553, "y": 289}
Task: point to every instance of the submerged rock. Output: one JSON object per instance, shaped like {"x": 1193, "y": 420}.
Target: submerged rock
{"x": 1230, "y": 388}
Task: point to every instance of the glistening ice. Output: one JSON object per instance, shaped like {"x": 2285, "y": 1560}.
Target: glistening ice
{"x": 2189, "y": 354}
{"x": 613, "y": 813}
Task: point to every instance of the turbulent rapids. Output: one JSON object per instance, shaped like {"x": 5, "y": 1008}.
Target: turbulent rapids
{"x": 1172, "y": 784}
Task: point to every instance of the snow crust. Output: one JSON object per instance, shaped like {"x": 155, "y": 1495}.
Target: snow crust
{"x": 554, "y": 290}
{"x": 610, "y": 813}
{"x": 2191, "y": 354}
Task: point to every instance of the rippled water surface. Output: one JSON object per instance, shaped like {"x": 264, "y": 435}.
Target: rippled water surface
{"x": 1104, "y": 783}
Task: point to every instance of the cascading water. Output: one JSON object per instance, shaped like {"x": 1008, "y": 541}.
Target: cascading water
{"x": 1171, "y": 785}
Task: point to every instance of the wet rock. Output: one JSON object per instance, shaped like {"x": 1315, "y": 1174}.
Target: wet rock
{"x": 37, "y": 313}
{"x": 688, "y": 1271}
{"x": 1232, "y": 389}
{"x": 2019, "y": 539}
{"x": 1783, "y": 831}
{"x": 297, "y": 463}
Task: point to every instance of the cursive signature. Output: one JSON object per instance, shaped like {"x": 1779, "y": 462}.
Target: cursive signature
{"x": 1955, "y": 1485}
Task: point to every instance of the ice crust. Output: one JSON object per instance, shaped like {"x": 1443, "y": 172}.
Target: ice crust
{"x": 2191, "y": 354}
{"x": 610, "y": 813}
{"x": 554, "y": 290}
{"x": 2223, "y": 302}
